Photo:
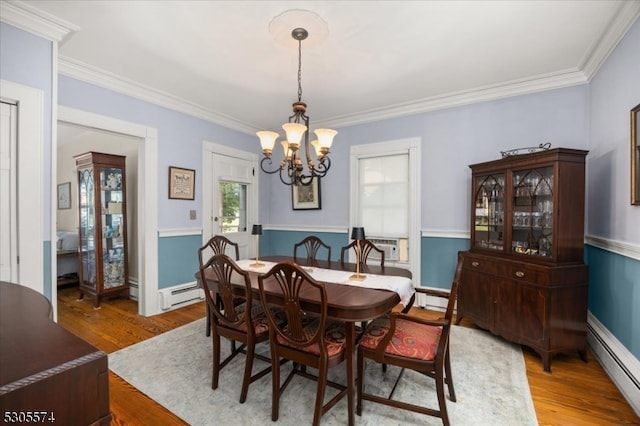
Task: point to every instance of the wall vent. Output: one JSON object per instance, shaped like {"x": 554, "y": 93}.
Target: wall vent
{"x": 180, "y": 295}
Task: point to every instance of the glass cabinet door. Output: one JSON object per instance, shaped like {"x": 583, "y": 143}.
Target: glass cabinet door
{"x": 532, "y": 216}
{"x": 113, "y": 250}
{"x": 489, "y": 212}
{"x": 87, "y": 228}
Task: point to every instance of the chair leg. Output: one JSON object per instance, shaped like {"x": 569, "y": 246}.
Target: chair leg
{"x": 275, "y": 389}
{"x": 442, "y": 402}
{"x": 208, "y": 329}
{"x": 448, "y": 377}
{"x": 322, "y": 385}
{"x": 216, "y": 362}
{"x": 248, "y": 366}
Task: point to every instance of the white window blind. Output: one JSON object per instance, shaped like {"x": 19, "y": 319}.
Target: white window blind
{"x": 383, "y": 187}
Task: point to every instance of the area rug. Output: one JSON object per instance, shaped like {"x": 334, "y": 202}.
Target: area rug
{"x": 174, "y": 369}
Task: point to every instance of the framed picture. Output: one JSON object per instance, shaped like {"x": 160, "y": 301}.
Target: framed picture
{"x": 306, "y": 197}
{"x": 182, "y": 183}
{"x": 635, "y": 156}
{"x": 64, "y": 196}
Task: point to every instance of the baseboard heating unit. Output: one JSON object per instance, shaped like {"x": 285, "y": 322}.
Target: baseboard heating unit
{"x": 620, "y": 364}
{"x": 180, "y": 295}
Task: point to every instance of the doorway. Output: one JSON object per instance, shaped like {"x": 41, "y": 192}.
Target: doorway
{"x": 143, "y": 141}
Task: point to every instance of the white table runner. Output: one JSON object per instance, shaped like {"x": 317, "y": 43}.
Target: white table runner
{"x": 403, "y": 286}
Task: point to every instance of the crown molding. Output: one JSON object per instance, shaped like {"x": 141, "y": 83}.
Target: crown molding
{"x": 533, "y": 84}
{"x": 31, "y": 19}
{"x": 99, "y": 77}
{"x": 627, "y": 14}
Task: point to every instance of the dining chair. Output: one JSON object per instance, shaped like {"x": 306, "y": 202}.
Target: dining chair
{"x": 235, "y": 316}
{"x": 367, "y": 247}
{"x": 306, "y": 338}
{"x": 410, "y": 342}
{"x": 218, "y": 244}
{"x": 312, "y": 245}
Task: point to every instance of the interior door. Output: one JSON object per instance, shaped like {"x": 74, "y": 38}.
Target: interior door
{"x": 8, "y": 225}
{"x": 234, "y": 201}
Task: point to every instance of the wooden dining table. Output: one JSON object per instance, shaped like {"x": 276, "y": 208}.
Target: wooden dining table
{"x": 348, "y": 303}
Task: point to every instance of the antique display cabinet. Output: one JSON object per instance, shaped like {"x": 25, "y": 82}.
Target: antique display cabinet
{"x": 103, "y": 225}
{"x": 524, "y": 277}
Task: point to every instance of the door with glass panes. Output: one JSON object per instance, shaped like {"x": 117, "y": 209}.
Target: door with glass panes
{"x": 233, "y": 199}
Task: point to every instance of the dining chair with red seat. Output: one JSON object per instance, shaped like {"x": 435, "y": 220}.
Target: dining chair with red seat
{"x": 235, "y": 316}
{"x": 218, "y": 244}
{"x": 418, "y": 344}
{"x": 308, "y": 339}
{"x": 312, "y": 245}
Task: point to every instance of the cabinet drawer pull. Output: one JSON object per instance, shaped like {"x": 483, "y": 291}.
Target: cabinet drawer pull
{"x": 475, "y": 264}
{"x": 519, "y": 274}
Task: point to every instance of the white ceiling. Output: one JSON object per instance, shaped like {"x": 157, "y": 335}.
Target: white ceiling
{"x": 218, "y": 59}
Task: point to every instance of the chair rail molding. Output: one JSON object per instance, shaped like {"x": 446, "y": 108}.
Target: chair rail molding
{"x": 619, "y": 247}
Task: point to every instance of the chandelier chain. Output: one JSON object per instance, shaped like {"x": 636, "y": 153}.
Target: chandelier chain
{"x": 299, "y": 70}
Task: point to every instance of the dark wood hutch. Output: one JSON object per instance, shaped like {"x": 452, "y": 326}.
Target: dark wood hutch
{"x": 524, "y": 277}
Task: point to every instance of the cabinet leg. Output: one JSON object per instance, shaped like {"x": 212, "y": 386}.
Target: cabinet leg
{"x": 546, "y": 362}
{"x": 583, "y": 355}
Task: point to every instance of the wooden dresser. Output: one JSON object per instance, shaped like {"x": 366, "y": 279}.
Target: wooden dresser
{"x": 47, "y": 374}
{"x": 524, "y": 278}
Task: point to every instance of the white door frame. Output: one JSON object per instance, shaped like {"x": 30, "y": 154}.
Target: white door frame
{"x": 147, "y": 200}
{"x": 30, "y": 185}
{"x": 208, "y": 149}
{"x": 410, "y": 146}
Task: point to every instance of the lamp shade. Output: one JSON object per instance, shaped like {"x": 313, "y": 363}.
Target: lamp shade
{"x": 256, "y": 230}
{"x": 357, "y": 233}
{"x": 294, "y": 132}
{"x": 267, "y": 139}
{"x": 325, "y": 137}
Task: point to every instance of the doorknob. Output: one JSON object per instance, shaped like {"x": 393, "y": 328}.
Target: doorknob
{"x": 215, "y": 219}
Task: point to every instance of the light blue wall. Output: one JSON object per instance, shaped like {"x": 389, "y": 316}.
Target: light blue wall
{"x": 614, "y": 295}
{"x": 26, "y": 59}
{"x": 177, "y": 259}
{"x": 614, "y": 279}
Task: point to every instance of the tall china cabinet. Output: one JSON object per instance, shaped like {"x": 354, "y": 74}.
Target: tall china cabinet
{"x": 103, "y": 225}
{"x": 524, "y": 277}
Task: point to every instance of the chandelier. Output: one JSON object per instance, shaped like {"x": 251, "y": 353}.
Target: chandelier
{"x": 292, "y": 170}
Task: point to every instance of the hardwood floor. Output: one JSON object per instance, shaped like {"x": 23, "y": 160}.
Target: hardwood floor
{"x": 576, "y": 393}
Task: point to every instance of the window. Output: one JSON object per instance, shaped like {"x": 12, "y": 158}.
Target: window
{"x": 233, "y": 207}
{"x": 383, "y": 185}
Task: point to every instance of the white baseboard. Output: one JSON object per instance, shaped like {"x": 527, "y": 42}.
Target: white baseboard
{"x": 178, "y": 296}
{"x": 622, "y": 367}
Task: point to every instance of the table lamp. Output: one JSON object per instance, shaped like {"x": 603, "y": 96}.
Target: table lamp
{"x": 357, "y": 233}
{"x": 257, "y": 231}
